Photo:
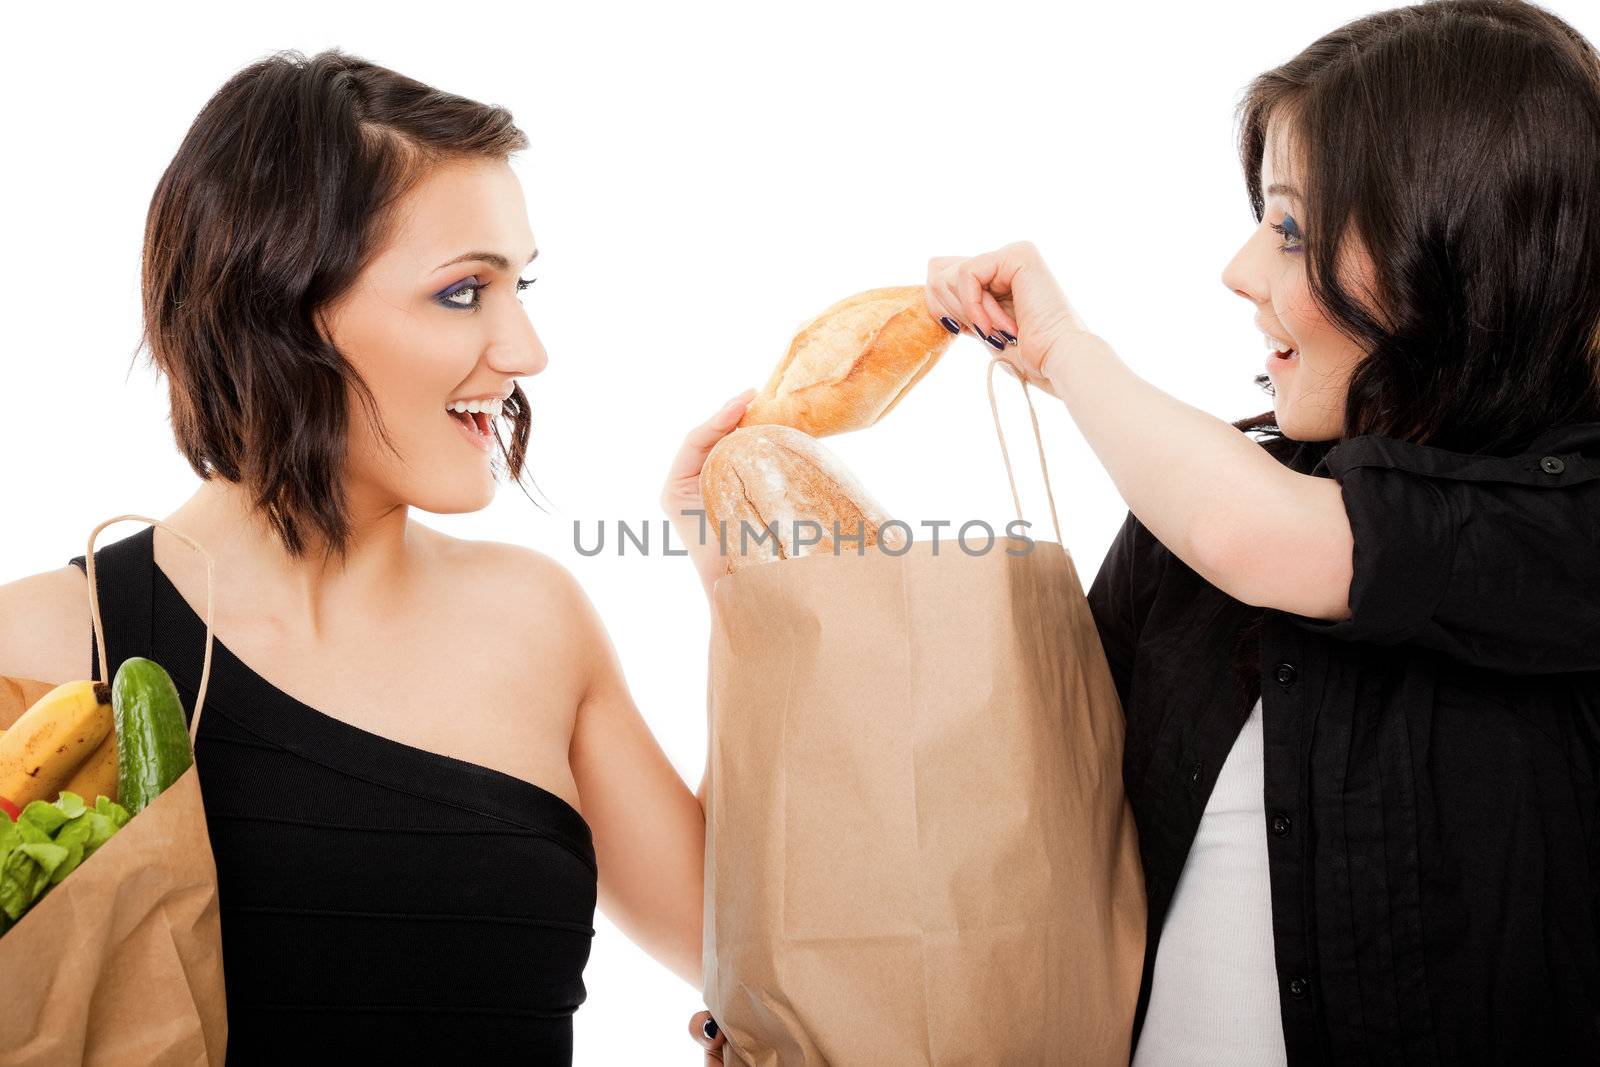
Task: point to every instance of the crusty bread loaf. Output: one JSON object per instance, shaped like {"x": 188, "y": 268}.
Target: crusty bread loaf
{"x": 777, "y": 477}
{"x": 849, "y": 366}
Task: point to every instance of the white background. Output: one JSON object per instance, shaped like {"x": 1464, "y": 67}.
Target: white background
{"x": 701, "y": 180}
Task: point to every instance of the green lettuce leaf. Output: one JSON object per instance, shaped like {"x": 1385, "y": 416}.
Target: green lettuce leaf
{"x": 49, "y": 842}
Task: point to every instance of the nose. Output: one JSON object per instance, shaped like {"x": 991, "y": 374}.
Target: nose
{"x": 514, "y": 347}
{"x": 1244, "y": 275}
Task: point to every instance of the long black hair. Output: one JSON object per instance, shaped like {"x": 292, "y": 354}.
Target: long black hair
{"x": 1458, "y": 143}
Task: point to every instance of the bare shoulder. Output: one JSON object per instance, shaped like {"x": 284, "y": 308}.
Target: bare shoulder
{"x": 511, "y": 575}
{"x": 45, "y": 627}
{"x": 531, "y": 588}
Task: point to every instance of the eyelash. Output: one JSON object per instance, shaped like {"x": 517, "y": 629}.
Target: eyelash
{"x": 477, "y": 302}
{"x": 1283, "y": 232}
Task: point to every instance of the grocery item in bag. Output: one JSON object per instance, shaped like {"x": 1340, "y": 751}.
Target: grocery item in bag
{"x": 773, "y": 492}
{"x": 120, "y": 960}
{"x": 918, "y": 848}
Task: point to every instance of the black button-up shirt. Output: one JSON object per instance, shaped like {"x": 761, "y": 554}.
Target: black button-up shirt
{"x": 1430, "y": 763}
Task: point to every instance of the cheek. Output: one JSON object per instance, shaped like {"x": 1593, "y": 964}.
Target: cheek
{"x": 1295, "y": 309}
{"x": 407, "y": 362}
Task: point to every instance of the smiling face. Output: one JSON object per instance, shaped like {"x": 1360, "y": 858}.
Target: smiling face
{"x": 434, "y": 320}
{"x": 1269, "y": 270}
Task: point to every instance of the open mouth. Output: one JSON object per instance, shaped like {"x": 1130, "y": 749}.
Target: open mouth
{"x": 472, "y": 421}
{"x": 1278, "y": 350}
{"x": 475, "y": 417}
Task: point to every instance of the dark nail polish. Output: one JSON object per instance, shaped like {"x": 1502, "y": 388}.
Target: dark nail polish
{"x": 709, "y": 1028}
{"x": 1010, "y": 339}
{"x": 950, "y": 324}
{"x": 999, "y": 345}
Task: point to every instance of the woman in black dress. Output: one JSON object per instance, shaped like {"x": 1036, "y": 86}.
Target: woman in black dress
{"x": 420, "y": 761}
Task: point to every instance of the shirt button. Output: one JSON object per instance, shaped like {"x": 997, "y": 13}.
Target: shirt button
{"x": 1285, "y": 674}
{"x": 1299, "y": 987}
{"x": 1280, "y": 825}
{"x": 1552, "y": 465}
{"x": 1194, "y": 773}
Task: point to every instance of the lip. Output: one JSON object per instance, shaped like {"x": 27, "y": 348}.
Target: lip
{"x": 1262, "y": 328}
{"x": 483, "y": 442}
{"x": 502, "y": 397}
{"x": 1274, "y": 361}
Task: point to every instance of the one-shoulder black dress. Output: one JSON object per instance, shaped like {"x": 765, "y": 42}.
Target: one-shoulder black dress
{"x": 379, "y": 902}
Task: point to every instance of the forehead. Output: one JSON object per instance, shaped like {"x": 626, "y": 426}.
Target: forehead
{"x": 1277, "y": 154}
{"x": 456, "y": 206}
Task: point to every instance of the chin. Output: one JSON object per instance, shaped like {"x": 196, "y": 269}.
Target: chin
{"x": 453, "y": 500}
{"x": 1288, "y": 424}
{"x": 1295, "y": 428}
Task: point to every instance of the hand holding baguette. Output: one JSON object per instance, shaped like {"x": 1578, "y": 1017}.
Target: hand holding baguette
{"x": 681, "y": 495}
{"x": 848, "y": 367}
{"x": 1008, "y": 291}
{"x": 756, "y": 464}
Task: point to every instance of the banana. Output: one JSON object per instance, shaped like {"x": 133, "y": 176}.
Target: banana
{"x": 42, "y": 749}
{"x": 97, "y": 776}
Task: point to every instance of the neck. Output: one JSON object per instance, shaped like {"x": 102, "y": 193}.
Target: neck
{"x": 304, "y": 595}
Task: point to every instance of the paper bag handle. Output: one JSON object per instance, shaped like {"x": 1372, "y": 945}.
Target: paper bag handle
{"x": 994, "y": 409}
{"x": 99, "y": 630}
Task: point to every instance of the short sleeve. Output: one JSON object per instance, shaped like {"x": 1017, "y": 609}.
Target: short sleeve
{"x": 1493, "y": 561}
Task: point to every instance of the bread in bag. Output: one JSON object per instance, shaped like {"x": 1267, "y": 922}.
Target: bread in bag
{"x": 775, "y": 477}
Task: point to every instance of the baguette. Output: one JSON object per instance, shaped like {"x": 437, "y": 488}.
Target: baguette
{"x": 760, "y": 483}
{"x": 848, "y": 367}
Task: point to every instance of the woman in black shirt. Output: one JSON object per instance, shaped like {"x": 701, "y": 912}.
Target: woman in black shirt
{"x": 1404, "y": 570}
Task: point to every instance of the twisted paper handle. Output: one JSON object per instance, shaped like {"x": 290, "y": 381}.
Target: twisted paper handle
{"x": 995, "y": 410}
{"x": 99, "y": 630}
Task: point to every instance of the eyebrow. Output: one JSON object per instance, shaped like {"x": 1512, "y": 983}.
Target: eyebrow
{"x": 494, "y": 259}
{"x": 1286, "y": 190}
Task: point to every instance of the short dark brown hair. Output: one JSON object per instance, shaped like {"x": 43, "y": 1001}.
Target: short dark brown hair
{"x": 281, "y": 192}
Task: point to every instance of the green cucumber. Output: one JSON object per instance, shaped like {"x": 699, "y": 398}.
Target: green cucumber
{"x": 152, "y": 739}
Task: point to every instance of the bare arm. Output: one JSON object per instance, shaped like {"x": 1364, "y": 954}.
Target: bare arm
{"x": 649, "y": 829}
{"x": 1260, "y": 532}
{"x": 685, "y": 507}
{"x": 45, "y": 627}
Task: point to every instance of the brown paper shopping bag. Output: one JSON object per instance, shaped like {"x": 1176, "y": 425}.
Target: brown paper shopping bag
{"x": 121, "y": 963}
{"x": 918, "y": 848}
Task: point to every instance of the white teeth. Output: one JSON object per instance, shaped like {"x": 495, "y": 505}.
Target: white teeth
{"x": 492, "y": 408}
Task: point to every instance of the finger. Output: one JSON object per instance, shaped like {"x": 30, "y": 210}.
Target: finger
{"x": 697, "y": 1024}
{"x": 969, "y": 291}
{"x": 942, "y": 302}
{"x": 703, "y": 438}
{"x": 936, "y": 308}
{"x": 994, "y": 270}
{"x": 999, "y": 317}
{"x": 703, "y": 1028}
{"x": 989, "y": 289}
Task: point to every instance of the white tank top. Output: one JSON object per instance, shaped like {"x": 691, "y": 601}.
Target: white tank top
{"x": 1214, "y": 994}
